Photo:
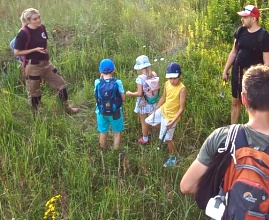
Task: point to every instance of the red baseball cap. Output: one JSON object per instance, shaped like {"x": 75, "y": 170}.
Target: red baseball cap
{"x": 250, "y": 10}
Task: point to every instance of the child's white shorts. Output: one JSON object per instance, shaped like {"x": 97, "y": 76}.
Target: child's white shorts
{"x": 157, "y": 118}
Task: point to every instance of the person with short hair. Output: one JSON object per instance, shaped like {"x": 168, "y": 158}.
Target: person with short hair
{"x": 246, "y": 51}
{"x": 115, "y": 120}
{"x": 37, "y": 64}
{"x": 142, "y": 107}
{"x": 255, "y": 93}
{"x": 169, "y": 109}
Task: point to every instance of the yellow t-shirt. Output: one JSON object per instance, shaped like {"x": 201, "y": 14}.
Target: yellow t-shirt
{"x": 172, "y": 102}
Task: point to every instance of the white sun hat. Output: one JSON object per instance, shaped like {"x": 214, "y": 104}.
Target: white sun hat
{"x": 142, "y": 62}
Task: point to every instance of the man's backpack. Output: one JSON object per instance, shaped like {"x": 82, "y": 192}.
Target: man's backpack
{"x": 151, "y": 88}
{"x": 244, "y": 193}
{"x": 107, "y": 96}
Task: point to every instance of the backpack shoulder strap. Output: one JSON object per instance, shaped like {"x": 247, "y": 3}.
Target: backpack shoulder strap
{"x": 102, "y": 80}
{"x": 25, "y": 29}
{"x": 116, "y": 91}
{"x": 261, "y": 37}
{"x": 236, "y": 138}
{"x": 98, "y": 87}
{"x": 241, "y": 138}
{"x": 143, "y": 77}
{"x": 238, "y": 33}
{"x": 114, "y": 79}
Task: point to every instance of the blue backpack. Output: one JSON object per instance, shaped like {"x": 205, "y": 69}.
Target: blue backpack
{"x": 12, "y": 45}
{"x": 107, "y": 96}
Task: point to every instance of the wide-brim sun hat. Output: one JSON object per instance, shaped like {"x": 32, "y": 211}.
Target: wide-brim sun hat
{"x": 106, "y": 66}
{"x": 173, "y": 70}
{"x": 249, "y": 10}
{"x": 141, "y": 62}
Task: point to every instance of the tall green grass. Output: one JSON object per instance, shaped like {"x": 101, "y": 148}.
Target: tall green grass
{"x": 55, "y": 153}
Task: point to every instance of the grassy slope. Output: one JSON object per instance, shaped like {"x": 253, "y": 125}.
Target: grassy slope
{"x": 58, "y": 154}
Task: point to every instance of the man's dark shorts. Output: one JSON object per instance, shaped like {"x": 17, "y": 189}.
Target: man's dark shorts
{"x": 237, "y": 74}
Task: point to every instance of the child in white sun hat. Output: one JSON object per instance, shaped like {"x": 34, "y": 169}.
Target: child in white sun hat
{"x": 147, "y": 93}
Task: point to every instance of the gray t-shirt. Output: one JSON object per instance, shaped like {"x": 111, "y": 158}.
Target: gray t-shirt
{"x": 218, "y": 137}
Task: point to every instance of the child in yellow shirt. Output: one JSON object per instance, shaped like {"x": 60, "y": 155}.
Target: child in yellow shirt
{"x": 169, "y": 109}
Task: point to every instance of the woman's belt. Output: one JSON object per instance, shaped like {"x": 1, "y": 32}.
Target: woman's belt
{"x": 36, "y": 62}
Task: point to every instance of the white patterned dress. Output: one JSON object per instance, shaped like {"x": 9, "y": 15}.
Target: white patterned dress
{"x": 141, "y": 105}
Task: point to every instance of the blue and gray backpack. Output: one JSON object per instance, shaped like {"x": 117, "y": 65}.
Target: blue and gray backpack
{"x": 107, "y": 96}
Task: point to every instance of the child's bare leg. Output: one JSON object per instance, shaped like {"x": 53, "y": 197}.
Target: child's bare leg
{"x": 171, "y": 147}
{"x": 158, "y": 126}
{"x": 117, "y": 140}
{"x": 103, "y": 140}
{"x": 145, "y": 126}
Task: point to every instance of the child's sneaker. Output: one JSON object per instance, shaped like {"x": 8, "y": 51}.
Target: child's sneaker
{"x": 141, "y": 141}
{"x": 170, "y": 162}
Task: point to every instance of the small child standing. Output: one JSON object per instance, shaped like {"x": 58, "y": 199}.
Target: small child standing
{"x": 170, "y": 109}
{"x": 144, "y": 105}
{"x": 109, "y": 94}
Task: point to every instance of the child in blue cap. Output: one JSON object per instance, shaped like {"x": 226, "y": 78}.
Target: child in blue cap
{"x": 109, "y": 94}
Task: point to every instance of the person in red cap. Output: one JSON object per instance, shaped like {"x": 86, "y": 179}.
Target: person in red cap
{"x": 251, "y": 47}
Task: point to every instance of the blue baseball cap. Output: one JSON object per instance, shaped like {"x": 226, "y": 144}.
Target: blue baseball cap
{"x": 173, "y": 70}
{"x": 141, "y": 62}
{"x": 106, "y": 66}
